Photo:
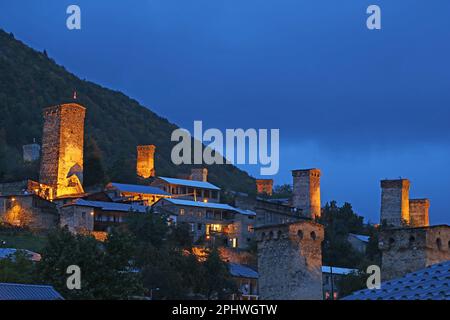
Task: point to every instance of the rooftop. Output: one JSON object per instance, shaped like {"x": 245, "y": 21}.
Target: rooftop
{"x": 360, "y": 237}
{"x": 13, "y": 291}
{"x": 135, "y": 188}
{"x": 6, "y": 252}
{"x": 432, "y": 283}
{"x": 336, "y": 270}
{"x": 241, "y": 271}
{"x": 190, "y": 183}
{"x": 109, "y": 206}
{"x": 211, "y": 205}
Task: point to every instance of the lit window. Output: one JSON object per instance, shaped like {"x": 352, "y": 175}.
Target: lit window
{"x": 181, "y": 212}
{"x": 234, "y": 243}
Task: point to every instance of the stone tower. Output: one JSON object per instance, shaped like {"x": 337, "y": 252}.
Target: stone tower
{"x": 145, "y": 166}
{"x": 418, "y": 212}
{"x": 199, "y": 174}
{"x": 306, "y": 191}
{"x": 395, "y": 202}
{"x": 406, "y": 250}
{"x": 264, "y": 186}
{"x": 290, "y": 261}
{"x": 62, "y": 149}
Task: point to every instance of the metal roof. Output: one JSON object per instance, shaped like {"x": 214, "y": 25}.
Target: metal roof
{"x": 241, "y": 271}
{"x": 109, "y": 206}
{"x": 190, "y": 183}
{"x": 336, "y": 270}
{"x": 211, "y": 205}
{"x": 13, "y": 291}
{"x": 7, "y": 252}
{"x": 135, "y": 188}
{"x": 360, "y": 237}
{"x": 432, "y": 283}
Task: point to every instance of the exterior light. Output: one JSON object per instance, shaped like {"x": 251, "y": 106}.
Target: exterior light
{"x": 13, "y": 199}
{"x": 205, "y": 200}
{"x": 92, "y": 213}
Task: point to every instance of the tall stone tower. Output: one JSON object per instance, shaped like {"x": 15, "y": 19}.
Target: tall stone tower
{"x": 145, "y": 167}
{"x": 306, "y": 191}
{"x": 199, "y": 174}
{"x": 264, "y": 186}
{"x": 419, "y": 212}
{"x": 62, "y": 149}
{"x": 395, "y": 202}
{"x": 290, "y": 261}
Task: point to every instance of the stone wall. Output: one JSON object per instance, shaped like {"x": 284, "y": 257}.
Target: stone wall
{"x": 306, "y": 191}
{"x": 290, "y": 261}
{"x": 145, "y": 165}
{"x": 199, "y": 174}
{"x": 395, "y": 202}
{"x": 419, "y": 212}
{"x": 62, "y": 148}
{"x": 406, "y": 250}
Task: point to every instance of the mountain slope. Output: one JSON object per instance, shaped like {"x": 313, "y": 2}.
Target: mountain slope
{"x": 116, "y": 124}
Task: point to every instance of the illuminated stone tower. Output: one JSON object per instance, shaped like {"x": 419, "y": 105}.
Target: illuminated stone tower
{"x": 306, "y": 192}
{"x": 395, "y": 202}
{"x": 145, "y": 166}
{"x": 264, "y": 186}
{"x": 62, "y": 149}
{"x": 418, "y": 212}
{"x": 290, "y": 261}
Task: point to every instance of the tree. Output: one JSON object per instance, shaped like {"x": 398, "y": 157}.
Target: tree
{"x": 94, "y": 172}
{"x": 106, "y": 272}
{"x": 217, "y": 281}
{"x": 17, "y": 268}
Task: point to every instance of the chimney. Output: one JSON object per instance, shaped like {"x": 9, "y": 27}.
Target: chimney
{"x": 306, "y": 192}
{"x": 264, "y": 186}
{"x": 418, "y": 212}
{"x": 395, "y": 202}
{"x": 145, "y": 165}
{"x": 199, "y": 174}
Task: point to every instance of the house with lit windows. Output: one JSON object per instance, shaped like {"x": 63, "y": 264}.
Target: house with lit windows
{"x": 211, "y": 223}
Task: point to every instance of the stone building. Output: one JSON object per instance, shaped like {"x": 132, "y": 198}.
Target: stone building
{"x": 28, "y": 210}
{"x": 145, "y": 165}
{"x": 306, "y": 192}
{"x": 418, "y": 212}
{"x": 62, "y": 149}
{"x": 264, "y": 186}
{"x": 290, "y": 261}
{"x": 395, "y": 202}
{"x": 212, "y": 223}
{"x": 406, "y": 250}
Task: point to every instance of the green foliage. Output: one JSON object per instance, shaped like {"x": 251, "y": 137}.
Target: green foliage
{"x": 337, "y": 251}
{"x": 30, "y": 80}
{"x": 17, "y": 268}
{"x": 105, "y": 269}
{"x": 351, "y": 282}
{"x": 94, "y": 171}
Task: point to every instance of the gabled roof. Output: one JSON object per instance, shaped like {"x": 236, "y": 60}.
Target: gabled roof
{"x": 190, "y": 183}
{"x": 360, "y": 237}
{"x": 135, "y": 188}
{"x": 241, "y": 271}
{"x": 336, "y": 270}
{"x": 211, "y": 205}
{"x": 13, "y": 291}
{"x": 109, "y": 206}
{"x": 7, "y": 252}
{"x": 432, "y": 283}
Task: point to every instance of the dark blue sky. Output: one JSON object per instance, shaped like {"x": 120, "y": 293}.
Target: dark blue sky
{"x": 361, "y": 105}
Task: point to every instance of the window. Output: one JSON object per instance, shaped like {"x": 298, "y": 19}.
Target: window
{"x": 199, "y": 226}
{"x": 83, "y": 215}
{"x": 250, "y": 228}
{"x": 234, "y": 243}
{"x": 313, "y": 235}
{"x": 439, "y": 243}
{"x": 192, "y": 227}
{"x": 300, "y": 234}
{"x": 181, "y": 212}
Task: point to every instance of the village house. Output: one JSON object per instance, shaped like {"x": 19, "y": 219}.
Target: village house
{"x": 131, "y": 193}
{"x": 246, "y": 280}
{"x": 216, "y": 223}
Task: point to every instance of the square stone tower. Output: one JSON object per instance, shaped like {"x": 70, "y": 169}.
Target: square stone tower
{"x": 290, "y": 261}
{"x": 62, "y": 149}
{"x": 145, "y": 166}
{"x": 264, "y": 186}
{"x": 395, "y": 202}
{"x": 306, "y": 191}
{"x": 419, "y": 212}
{"x": 407, "y": 250}
{"x": 199, "y": 174}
